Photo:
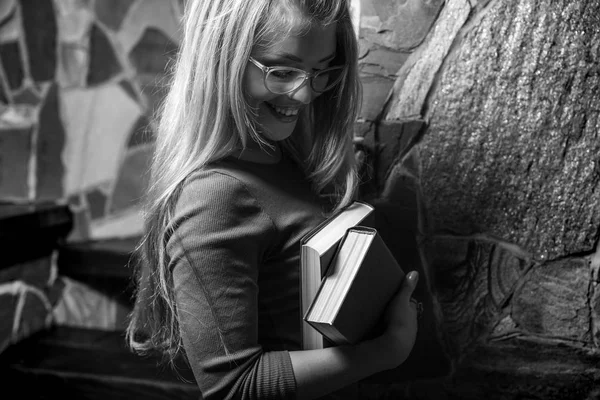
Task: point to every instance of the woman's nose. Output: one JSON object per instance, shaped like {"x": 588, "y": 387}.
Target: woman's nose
{"x": 303, "y": 94}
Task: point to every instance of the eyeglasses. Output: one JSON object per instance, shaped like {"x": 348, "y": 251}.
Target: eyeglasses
{"x": 282, "y": 80}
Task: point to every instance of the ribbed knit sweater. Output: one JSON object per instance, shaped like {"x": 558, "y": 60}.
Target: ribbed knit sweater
{"x": 234, "y": 256}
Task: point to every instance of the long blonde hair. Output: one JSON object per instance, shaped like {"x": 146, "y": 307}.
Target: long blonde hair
{"x": 205, "y": 117}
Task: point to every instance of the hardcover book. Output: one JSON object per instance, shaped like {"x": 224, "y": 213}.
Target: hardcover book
{"x": 361, "y": 279}
{"x": 317, "y": 250}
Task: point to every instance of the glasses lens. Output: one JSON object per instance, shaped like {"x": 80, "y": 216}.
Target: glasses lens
{"x": 327, "y": 79}
{"x": 283, "y": 80}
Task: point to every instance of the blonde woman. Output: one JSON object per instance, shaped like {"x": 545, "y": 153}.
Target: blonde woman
{"x": 252, "y": 151}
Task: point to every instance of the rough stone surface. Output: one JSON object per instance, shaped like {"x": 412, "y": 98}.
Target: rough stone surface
{"x": 395, "y": 140}
{"x": 104, "y": 63}
{"x": 553, "y": 301}
{"x": 49, "y": 147}
{"x": 418, "y": 73}
{"x": 527, "y": 370}
{"x": 474, "y": 280}
{"x": 514, "y": 139}
{"x": 39, "y": 24}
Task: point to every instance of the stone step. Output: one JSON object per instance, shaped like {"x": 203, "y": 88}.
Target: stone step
{"x": 67, "y": 362}
{"x": 31, "y": 230}
{"x": 105, "y": 265}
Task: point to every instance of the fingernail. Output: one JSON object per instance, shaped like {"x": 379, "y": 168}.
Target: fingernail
{"x": 413, "y": 276}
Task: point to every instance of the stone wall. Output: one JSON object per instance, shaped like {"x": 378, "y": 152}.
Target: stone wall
{"x": 491, "y": 130}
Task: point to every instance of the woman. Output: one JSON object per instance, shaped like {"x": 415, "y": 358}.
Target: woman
{"x": 254, "y": 150}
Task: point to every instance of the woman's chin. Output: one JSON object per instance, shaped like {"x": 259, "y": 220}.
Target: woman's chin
{"x": 278, "y": 132}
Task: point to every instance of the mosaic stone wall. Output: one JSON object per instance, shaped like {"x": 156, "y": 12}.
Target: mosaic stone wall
{"x": 78, "y": 82}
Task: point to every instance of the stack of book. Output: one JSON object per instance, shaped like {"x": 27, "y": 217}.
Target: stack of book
{"x": 348, "y": 275}
{"x": 361, "y": 279}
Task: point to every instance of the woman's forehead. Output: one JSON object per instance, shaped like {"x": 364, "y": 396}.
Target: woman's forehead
{"x": 309, "y": 45}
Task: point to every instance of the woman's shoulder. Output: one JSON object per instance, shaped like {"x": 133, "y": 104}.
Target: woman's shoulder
{"x": 214, "y": 183}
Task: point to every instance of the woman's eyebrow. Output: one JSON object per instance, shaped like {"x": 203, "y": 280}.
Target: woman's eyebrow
{"x": 297, "y": 59}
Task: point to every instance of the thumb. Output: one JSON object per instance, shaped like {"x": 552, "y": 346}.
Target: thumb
{"x": 409, "y": 284}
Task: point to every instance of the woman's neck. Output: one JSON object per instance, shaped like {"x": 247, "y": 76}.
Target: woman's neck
{"x": 254, "y": 153}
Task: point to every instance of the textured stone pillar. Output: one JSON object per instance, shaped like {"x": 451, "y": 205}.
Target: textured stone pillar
{"x": 508, "y": 175}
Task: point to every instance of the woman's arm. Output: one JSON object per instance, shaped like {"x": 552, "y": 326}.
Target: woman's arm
{"x": 319, "y": 372}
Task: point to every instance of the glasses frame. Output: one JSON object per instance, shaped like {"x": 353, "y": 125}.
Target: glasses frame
{"x": 307, "y": 75}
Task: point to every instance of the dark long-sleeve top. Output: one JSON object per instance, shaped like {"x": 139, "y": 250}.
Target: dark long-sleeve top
{"x": 234, "y": 256}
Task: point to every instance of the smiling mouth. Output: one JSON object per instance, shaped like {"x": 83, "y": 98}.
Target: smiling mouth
{"x": 284, "y": 111}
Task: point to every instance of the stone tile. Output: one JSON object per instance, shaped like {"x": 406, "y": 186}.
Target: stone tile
{"x": 553, "y": 301}
{"x": 39, "y": 24}
{"x": 28, "y": 96}
{"x": 145, "y": 14}
{"x": 104, "y": 63}
{"x": 112, "y": 12}
{"x": 35, "y": 312}
{"x": 8, "y": 304}
{"x": 141, "y": 133}
{"x": 128, "y": 223}
{"x": 75, "y": 201}
{"x": 34, "y": 272}
{"x": 10, "y": 56}
{"x": 74, "y": 19}
{"x": 96, "y": 200}
{"x": 127, "y": 86}
{"x": 399, "y": 25}
{"x": 98, "y": 125}
{"x": 133, "y": 179}
{"x": 153, "y": 91}
{"x": 152, "y": 52}
{"x": 81, "y": 225}
{"x": 49, "y": 148}
{"x": 85, "y": 307}
{"x": 15, "y": 152}
{"x": 73, "y": 63}
{"x": 9, "y": 23}
{"x": 418, "y": 73}
{"x": 7, "y": 10}
{"x": 150, "y": 57}
{"x": 4, "y": 96}
{"x": 375, "y": 92}
{"x": 382, "y": 61}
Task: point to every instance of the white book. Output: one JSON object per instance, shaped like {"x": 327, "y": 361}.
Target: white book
{"x": 317, "y": 250}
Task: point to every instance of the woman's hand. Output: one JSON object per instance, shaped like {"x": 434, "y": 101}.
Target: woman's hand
{"x": 400, "y": 318}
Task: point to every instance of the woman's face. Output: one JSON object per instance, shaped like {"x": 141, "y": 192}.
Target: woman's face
{"x": 278, "y": 113}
